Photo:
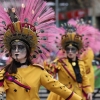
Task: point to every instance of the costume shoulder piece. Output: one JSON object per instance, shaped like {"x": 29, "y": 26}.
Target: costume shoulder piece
{"x": 2, "y": 71}
{"x": 37, "y": 65}
{"x": 80, "y": 59}
{"x": 58, "y": 62}
{"x": 61, "y": 59}
{"x": 81, "y": 62}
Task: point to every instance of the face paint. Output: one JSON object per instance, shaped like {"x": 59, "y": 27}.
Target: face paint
{"x": 71, "y": 49}
{"x": 18, "y": 50}
{"x": 18, "y": 47}
{"x": 71, "y": 52}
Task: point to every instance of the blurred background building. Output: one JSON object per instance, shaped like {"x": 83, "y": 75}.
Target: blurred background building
{"x": 95, "y": 12}
{"x": 67, "y": 9}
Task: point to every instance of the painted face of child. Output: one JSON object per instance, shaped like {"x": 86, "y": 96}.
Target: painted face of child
{"x": 18, "y": 50}
{"x": 71, "y": 51}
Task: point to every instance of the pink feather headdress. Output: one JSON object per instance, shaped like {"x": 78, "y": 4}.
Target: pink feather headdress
{"x": 67, "y": 36}
{"x": 89, "y": 34}
{"x": 34, "y": 15}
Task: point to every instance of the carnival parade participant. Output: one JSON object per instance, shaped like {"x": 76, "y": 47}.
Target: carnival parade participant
{"x": 26, "y": 36}
{"x": 71, "y": 69}
{"x": 88, "y": 56}
{"x": 92, "y": 34}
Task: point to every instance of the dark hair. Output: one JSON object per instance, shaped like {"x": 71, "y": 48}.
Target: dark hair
{"x": 12, "y": 67}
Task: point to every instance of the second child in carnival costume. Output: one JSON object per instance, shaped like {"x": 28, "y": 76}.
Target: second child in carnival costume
{"x": 71, "y": 69}
{"x": 92, "y": 36}
{"x": 24, "y": 33}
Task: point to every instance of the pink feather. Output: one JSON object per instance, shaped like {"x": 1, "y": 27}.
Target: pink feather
{"x": 37, "y": 13}
{"x": 91, "y": 33}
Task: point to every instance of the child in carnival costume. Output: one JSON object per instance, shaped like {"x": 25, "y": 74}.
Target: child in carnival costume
{"x": 71, "y": 69}
{"x": 92, "y": 36}
{"x": 26, "y": 27}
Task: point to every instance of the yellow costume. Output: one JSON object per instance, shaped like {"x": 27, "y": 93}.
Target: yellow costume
{"x": 88, "y": 57}
{"x": 65, "y": 78}
{"x": 34, "y": 77}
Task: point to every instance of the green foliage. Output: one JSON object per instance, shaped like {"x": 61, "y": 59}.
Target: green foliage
{"x": 97, "y": 76}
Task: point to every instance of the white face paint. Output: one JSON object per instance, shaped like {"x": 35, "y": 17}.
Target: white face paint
{"x": 71, "y": 52}
{"x": 18, "y": 50}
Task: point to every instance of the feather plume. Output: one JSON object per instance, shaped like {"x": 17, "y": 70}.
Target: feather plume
{"x": 36, "y": 13}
